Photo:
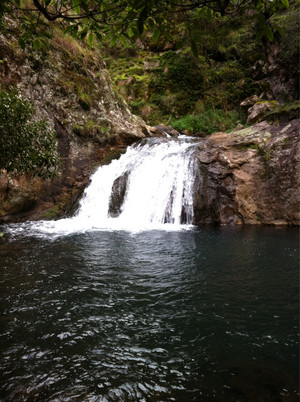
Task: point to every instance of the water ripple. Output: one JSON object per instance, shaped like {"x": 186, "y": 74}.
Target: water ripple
{"x": 116, "y": 317}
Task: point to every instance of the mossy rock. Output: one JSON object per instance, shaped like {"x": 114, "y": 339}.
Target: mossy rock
{"x": 52, "y": 213}
{"x": 85, "y": 101}
{"x": 91, "y": 130}
{"x": 111, "y": 155}
{"x": 283, "y": 113}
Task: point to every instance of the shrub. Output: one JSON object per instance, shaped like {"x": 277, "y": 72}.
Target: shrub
{"x": 26, "y": 146}
{"x": 207, "y": 122}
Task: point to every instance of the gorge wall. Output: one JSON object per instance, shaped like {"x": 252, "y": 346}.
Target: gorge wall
{"x": 248, "y": 176}
{"x": 71, "y": 89}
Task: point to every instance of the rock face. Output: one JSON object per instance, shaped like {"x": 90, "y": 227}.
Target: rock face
{"x": 214, "y": 188}
{"x": 249, "y": 176}
{"x": 71, "y": 89}
{"x": 258, "y": 110}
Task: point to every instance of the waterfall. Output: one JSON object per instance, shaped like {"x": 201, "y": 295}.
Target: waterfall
{"x": 148, "y": 187}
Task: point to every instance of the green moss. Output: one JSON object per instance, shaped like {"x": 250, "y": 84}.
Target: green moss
{"x": 266, "y": 155}
{"x": 286, "y": 111}
{"x": 52, "y": 212}
{"x": 110, "y": 156}
{"x": 91, "y": 130}
{"x": 271, "y": 103}
{"x": 85, "y": 101}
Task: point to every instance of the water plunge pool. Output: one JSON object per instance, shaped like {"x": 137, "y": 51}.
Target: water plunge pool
{"x": 207, "y": 314}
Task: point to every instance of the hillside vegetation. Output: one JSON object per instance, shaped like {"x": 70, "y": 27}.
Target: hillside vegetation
{"x": 164, "y": 82}
{"x": 194, "y": 77}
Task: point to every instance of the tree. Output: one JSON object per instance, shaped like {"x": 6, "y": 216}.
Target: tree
{"x": 127, "y": 19}
{"x": 25, "y": 146}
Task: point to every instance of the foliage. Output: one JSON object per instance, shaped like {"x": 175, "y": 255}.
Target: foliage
{"x": 4, "y": 8}
{"x": 207, "y": 122}
{"x": 25, "y": 146}
{"x": 91, "y": 131}
{"x": 288, "y": 24}
{"x": 124, "y": 21}
{"x": 176, "y": 84}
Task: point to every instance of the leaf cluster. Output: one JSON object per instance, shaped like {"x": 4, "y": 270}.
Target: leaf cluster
{"x": 26, "y": 146}
{"x": 125, "y": 21}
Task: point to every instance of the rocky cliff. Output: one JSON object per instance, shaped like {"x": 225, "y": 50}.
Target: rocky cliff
{"x": 249, "y": 176}
{"x": 70, "y": 88}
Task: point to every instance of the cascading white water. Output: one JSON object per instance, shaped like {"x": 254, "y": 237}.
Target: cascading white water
{"x": 150, "y": 186}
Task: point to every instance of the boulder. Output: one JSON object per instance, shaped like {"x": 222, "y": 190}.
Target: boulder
{"x": 254, "y": 177}
{"x": 258, "y": 111}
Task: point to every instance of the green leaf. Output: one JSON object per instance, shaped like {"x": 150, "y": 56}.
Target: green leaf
{"x": 135, "y": 31}
{"x": 168, "y": 36}
{"x": 45, "y": 43}
{"x": 114, "y": 40}
{"x": 76, "y": 5}
{"x": 22, "y": 43}
{"x": 37, "y": 44}
{"x": 83, "y": 32}
{"x": 98, "y": 35}
{"x": 156, "y": 34}
{"x": 285, "y": 3}
{"x": 269, "y": 33}
{"x": 151, "y": 23}
{"x": 123, "y": 40}
{"x": 69, "y": 29}
{"x": 199, "y": 12}
{"x": 130, "y": 32}
{"x": 91, "y": 39}
{"x": 208, "y": 14}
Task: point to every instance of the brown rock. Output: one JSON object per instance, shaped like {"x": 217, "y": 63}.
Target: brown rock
{"x": 258, "y": 111}
{"x": 264, "y": 164}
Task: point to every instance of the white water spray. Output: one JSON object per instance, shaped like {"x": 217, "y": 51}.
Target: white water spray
{"x": 149, "y": 187}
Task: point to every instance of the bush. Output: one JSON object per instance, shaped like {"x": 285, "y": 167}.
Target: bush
{"x": 207, "y": 122}
{"x": 25, "y": 146}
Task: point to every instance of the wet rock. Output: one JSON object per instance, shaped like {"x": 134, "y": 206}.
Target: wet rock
{"x": 166, "y": 130}
{"x": 118, "y": 193}
{"x": 214, "y": 195}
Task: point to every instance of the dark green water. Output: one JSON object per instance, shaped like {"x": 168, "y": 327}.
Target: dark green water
{"x": 198, "y": 315}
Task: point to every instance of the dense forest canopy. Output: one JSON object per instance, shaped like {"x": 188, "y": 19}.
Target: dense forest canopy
{"x": 127, "y": 20}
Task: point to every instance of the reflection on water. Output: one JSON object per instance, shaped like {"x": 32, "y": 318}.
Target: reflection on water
{"x": 199, "y": 315}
